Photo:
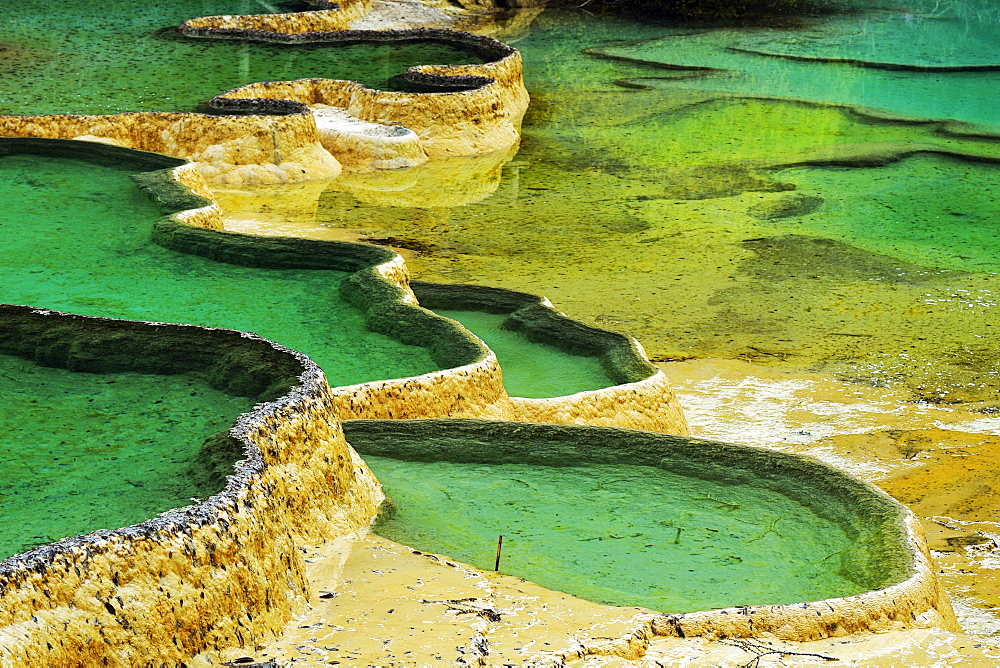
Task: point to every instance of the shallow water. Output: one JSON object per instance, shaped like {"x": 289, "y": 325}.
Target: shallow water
{"x": 532, "y": 369}
{"x": 690, "y": 545}
{"x": 919, "y": 34}
{"x": 928, "y": 210}
{"x": 75, "y": 238}
{"x": 61, "y": 60}
{"x": 81, "y": 452}
{"x": 665, "y": 213}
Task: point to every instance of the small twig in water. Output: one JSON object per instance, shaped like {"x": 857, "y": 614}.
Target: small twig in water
{"x": 724, "y": 504}
{"x": 769, "y": 529}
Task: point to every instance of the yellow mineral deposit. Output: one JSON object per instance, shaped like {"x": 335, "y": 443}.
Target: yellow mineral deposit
{"x": 327, "y": 17}
{"x": 293, "y": 207}
{"x": 228, "y": 149}
{"x": 364, "y": 145}
{"x": 372, "y": 124}
{"x": 378, "y": 602}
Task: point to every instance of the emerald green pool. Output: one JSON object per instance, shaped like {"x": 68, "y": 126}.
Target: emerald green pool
{"x": 621, "y": 535}
{"x": 76, "y": 238}
{"x": 81, "y": 452}
{"x": 80, "y": 57}
{"x": 532, "y": 369}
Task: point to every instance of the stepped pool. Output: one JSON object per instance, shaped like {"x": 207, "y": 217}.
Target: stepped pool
{"x": 57, "y": 58}
{"x": 531, "y": 369}
{"x": 77, "y": 238}
{"x": 88, "y": 451}
{"x": 630, "y": 518}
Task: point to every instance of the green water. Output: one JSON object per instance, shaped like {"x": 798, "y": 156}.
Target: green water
{"x": 81, "y": 452}
{"x": 75, "y": 237}
{"x": 532, "y": 369}
{"x": 84, "y": 57}
{"x": 952, "y": 36}
{"x": 664, "y": 212}
{"x": 689, "y": 544}
{"x": 931, "y": 210}
{"x": 917, "y": 35}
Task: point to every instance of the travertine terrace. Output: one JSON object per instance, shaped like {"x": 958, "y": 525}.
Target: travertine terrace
{"x": 229, "y": 571}
{"x": 203, "y": 578}
{"x": 312, "y": 128}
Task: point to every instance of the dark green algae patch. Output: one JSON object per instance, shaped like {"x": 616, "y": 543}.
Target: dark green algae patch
{"x": 634, "y": 518}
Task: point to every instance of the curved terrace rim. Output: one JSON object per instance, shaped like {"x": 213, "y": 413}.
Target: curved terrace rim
{"x": 902, "y": 598}
{"x": 493, "y": 52}
{"x": 207, "y": 510}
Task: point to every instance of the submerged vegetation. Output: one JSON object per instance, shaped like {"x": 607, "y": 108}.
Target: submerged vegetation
{"x": 982, "y": 11}
{"x": 717, "y": 9}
